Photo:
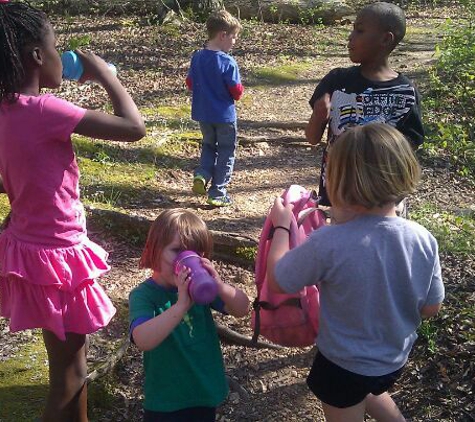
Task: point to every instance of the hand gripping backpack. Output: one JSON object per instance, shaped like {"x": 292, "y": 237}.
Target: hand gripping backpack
{"x": 288, "y": 319}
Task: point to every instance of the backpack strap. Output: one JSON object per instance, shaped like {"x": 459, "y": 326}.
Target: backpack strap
{"x": 269, "y": 307}
{"x": 257, "y": 320}
{"x": 304, "y": 214}
{"x": 260, "y": 272}
{"x": 257, "y": 305}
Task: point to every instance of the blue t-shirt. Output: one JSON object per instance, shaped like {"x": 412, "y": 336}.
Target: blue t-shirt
{"x": 374, "y": 275}
{"x": 213, "y": 75}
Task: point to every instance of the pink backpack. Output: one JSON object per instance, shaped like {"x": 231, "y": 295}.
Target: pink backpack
{"x": 288, "y": 319}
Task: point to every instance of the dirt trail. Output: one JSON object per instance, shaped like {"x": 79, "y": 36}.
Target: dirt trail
{"x": 278, "y": 157}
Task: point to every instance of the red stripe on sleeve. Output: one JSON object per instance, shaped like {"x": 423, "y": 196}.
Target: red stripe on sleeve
{"x": 236, "y": 91}
{"x": 189, "y": 83}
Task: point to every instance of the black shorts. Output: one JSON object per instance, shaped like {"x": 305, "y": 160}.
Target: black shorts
{"x": 191, "y": 414}
{"x": 340, "y": 388}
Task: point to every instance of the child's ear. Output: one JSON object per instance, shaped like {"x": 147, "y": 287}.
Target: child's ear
{"x": 37, "y": 56}
{"x": 388, "y": 39}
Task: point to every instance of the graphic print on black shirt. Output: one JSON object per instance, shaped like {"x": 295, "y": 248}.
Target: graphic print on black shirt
{"x": 374, "y": 105}
{"x": 356, "y": 100}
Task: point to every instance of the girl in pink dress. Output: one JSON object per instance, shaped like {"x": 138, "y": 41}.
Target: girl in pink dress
{"x": 48, "y": 266}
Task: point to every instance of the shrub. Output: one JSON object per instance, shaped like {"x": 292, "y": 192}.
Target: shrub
{"x": 451, "y": 97}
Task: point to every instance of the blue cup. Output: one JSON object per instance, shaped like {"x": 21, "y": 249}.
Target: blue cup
{"x": 73, "y": 68}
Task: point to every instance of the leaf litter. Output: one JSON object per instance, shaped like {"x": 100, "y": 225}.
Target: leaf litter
{"x": 438, "y": 384}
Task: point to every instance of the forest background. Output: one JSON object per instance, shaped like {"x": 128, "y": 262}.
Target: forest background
{"x": 124, "y": 186}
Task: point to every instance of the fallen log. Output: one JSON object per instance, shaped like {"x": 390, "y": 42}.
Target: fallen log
{"x": 291, "y": 125}
{"x": 228, "y": 247}
{"x": 294, "y": 11}
{"x": 225, "y": 334}
{"x": 109, "y": 365}
{"x": 291, "y": 141}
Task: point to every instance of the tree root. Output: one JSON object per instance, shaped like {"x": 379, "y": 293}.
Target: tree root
{"x": 109, "y": 364}
{"x": 232, "y": 337}
{"x": 226, "y": 335}
{"x": 238, "y": 388}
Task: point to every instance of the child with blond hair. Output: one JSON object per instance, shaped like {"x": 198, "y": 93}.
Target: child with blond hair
{"x": 378, "y": 274}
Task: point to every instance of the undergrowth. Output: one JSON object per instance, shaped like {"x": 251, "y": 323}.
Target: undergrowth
{"x": 451, "y": 96}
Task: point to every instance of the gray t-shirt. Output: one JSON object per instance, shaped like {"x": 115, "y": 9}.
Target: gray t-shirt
{"x": 374, "y": 275}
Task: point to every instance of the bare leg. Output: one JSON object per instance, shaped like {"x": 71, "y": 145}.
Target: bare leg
{"x": 383, "y": 409}
{"x": 67, "y": 397}
{"x": 349, "y": 414}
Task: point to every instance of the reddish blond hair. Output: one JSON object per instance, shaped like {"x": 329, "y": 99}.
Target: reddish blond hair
{"x": 192, "y": 230}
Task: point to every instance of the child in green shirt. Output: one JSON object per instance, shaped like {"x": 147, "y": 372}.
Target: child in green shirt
{"x": 183, "y": 364}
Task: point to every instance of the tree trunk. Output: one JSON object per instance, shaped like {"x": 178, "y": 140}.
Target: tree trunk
{"x": 206, "y": 6}
{"x": 294, "y": 11}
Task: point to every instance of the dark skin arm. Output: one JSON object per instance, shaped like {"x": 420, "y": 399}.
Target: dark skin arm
{"x": 318, "y": 120}
{"x": 126, "y": 124}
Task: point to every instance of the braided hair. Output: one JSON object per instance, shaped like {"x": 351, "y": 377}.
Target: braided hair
{"x": 20, "y": 25}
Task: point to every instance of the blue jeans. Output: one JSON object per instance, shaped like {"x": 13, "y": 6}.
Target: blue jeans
{"x": 217, "y": 155}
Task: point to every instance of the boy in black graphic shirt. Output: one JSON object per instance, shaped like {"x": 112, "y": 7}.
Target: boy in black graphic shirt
{"x": 370, "y": 92}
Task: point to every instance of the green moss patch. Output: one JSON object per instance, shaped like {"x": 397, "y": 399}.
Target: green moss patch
{"x": 174, "y": 112}
{"x": 114, "y": 175}
{"x": 280, "y": 74}
{"x": 24, "y": 382}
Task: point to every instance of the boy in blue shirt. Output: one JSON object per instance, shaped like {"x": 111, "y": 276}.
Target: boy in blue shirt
{"x": 215, "y": 82}
{"x": 369, "y": 93}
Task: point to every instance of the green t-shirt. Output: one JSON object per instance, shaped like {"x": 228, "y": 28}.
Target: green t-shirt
{"x": 186, "y": 369}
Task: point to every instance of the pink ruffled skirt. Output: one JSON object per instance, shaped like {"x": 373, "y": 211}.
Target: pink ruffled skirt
{"x": 53, "y": 288}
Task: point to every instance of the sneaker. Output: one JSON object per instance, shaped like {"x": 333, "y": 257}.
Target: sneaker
{"x": 199, "y": 185}
{"x": 219, "y": 201}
